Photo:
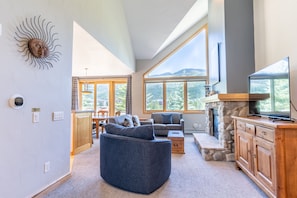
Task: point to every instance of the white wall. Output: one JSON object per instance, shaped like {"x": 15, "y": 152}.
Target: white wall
{"x": 105, "y": 21}
{"x": 144, "y": 65}
{"x": 275, "y": 36}
{"x": 24, "y": 146}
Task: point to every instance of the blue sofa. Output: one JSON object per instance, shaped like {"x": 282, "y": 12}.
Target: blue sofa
{"x": 166, "y": 121}
{"x": 132, "y": 159}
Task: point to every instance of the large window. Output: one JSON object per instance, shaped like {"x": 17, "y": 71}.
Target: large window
{"x": 154, "y": 96}
{"x": 120, "y": 97}
{"x": 175, "y": 96}
{"x": 110, "y": 95}
{"x": 195, "y": 91}
{"x": 102, "y": 93}
{"x": 178, "y": 82}
{"x": 87, "y": 100}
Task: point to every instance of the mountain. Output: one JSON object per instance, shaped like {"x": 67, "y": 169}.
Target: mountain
{"x": 182, "y": 72}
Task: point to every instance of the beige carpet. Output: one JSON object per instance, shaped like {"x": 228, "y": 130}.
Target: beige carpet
{"x": 191, "y": 177}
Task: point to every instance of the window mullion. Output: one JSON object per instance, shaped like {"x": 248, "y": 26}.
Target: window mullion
{"x": 164, "y": 97}
{"x": 111, "y": 98}
{"x": 95, "y": 97}
{"x": 185, "y": 96}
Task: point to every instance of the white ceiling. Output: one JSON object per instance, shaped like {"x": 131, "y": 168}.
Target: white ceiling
{"x": 152, "y": 24}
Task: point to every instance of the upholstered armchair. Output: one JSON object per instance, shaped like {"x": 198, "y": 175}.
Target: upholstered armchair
{"x": 132, "y": 159}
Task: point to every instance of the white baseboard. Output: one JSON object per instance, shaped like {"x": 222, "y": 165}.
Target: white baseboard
{"x": 52, "y": 186}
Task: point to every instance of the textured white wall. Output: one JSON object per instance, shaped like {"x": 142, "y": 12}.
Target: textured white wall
{"x": 26, "y": 146}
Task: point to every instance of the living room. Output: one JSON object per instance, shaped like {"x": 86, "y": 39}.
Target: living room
{"x": 26, "y": 146}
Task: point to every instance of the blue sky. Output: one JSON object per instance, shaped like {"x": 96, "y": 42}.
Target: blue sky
{"x": 192, "y": 55}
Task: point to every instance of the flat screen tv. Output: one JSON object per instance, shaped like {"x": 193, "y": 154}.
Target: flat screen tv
{"x": 269, "y": 91}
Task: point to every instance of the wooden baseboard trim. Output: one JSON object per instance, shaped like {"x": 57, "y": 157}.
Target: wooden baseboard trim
{"x": 52, "y": 186}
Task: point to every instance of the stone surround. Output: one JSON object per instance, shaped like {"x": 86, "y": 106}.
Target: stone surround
{"x": 221, "y": 149}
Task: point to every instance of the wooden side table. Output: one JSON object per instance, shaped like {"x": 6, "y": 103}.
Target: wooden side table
{"x": 177, "y": 139}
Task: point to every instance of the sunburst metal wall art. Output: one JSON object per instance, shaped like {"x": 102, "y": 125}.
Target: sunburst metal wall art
{"x": 37, "y": 42}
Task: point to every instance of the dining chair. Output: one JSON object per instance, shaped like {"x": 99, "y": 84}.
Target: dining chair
{"x": 102, "y": 113}
{"x": 117, "y": 113}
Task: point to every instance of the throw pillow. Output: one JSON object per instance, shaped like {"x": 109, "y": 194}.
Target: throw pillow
{"x": 128, "y": 121}
{"x": 136, "y": 121}
{"x": 145, "y": 132}
{"x": 167, "y": 118}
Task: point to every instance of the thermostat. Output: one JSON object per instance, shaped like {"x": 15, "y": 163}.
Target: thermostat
{"x": 16, "y": 101}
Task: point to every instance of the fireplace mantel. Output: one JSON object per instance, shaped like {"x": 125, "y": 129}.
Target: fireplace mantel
{"x": 227, "y": 97}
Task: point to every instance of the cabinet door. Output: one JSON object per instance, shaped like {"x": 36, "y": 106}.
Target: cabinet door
{"x": 82, "y": 132}
{"x": 244, "y": 145}
{"x": 264, "y": 163}
{"x": 84, "y": 129}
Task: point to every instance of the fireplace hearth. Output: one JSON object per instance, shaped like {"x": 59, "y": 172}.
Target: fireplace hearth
{"x": 217, "y": 143}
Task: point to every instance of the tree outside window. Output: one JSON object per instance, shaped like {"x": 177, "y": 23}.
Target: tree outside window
{"x": 195, "y": 92}
{"x": 154, "y": 96}
{"x": 120, "y": 97}
{"x": 102, "y": 96}
{"x": 175, "y": 96}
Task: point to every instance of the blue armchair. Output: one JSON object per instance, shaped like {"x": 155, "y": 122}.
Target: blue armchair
{"x": 135, "y": 164}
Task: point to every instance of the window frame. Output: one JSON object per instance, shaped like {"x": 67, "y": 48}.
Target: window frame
{"x": 112, "y": 83}
{"x": 184, "y": 79}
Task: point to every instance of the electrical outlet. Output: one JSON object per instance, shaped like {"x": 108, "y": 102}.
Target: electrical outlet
{"x": 47, "y": 166}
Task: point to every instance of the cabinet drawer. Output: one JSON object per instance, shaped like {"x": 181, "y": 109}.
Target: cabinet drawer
{"x": 177, "y": 146}
{"x": 240, "y": 125}
{"x": 250, "y": 128}
{"x": 265, "y": 133}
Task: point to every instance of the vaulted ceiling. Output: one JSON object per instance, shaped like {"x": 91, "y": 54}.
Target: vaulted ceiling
{"x": 152, "y": 22}
{"x": 152, "y": 25}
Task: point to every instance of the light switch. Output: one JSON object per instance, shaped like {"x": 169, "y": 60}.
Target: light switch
{"x": 35, "y": 117}
{"x": 58, "y": 115}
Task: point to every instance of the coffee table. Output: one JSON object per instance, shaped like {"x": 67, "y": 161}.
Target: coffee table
{"x": 177, "y": 139}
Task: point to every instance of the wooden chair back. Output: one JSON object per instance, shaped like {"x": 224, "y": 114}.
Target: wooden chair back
{"x": 117, "y": 113}
{"x": 103, "y": 113}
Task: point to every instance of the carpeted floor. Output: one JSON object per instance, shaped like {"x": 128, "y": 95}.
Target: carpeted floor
{"x": 190, "y": 177}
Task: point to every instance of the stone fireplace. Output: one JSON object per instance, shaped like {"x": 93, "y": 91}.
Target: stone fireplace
{"x": 217, "y": 143}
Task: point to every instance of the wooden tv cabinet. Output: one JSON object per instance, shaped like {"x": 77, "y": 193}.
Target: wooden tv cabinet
{"x": 267, "y": 152}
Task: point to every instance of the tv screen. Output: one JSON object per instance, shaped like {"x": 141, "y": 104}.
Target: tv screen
{"x": 269, "y": 91}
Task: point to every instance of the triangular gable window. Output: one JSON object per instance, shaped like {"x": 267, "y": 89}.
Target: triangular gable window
{"x": 188, "y": 60}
